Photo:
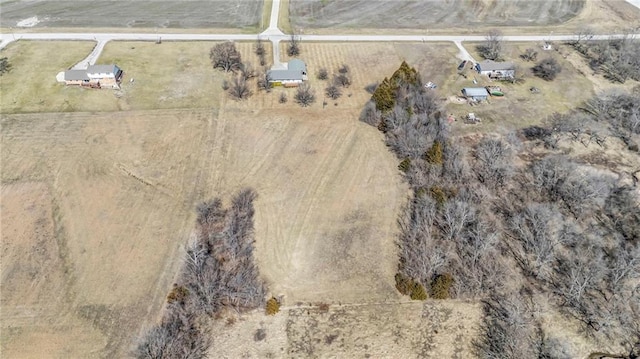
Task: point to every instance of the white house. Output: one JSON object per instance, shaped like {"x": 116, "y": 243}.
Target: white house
{"x": 292, "y": 74}
{"x": 496, "y": 70}
{"x": 96, "y": 76}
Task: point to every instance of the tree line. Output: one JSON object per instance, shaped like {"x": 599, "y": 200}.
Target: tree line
{"x": 218, "y": 272}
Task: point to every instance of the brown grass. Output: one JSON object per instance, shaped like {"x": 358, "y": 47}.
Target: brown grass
{"x": 31, "y": 84}
{"x": 520, "y": 108}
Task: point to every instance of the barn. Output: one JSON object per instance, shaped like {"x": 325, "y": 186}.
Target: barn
{"x": 291, "y": 74}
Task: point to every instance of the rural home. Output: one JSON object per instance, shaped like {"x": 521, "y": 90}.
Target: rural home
{"x": 496, "y": 70}
{"x": 475, "y": 93}
{"x": 95, "y": 76}
{"x": 291, "y": 75}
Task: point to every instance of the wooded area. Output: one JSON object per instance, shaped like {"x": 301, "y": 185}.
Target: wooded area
{"x": 528, "y": 235}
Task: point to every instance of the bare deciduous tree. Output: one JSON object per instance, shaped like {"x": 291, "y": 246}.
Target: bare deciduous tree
{"x": 293, "y": 48}
{"x": 547, "y": 69}
{"x": 225, "y": 56}
{"x": 342, "y": 80}
{"x": 239, "y": 88}
{"x": 530, "y": 54}
{"x": 305, "y": 95}
{"x": 491, "y": 49}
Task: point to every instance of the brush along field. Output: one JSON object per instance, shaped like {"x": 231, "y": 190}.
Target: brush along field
{"x": 135, "y": 14}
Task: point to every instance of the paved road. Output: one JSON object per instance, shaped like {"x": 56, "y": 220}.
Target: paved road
{"x": 272, "y": 33}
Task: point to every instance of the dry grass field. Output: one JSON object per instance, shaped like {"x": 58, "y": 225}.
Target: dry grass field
{"x": 31, "y": 84}
{"x": 168, "y": 75}
{"x": 433, "y": 329}
{"x": 238, "y": 14}
{"x": 113, "y": 195}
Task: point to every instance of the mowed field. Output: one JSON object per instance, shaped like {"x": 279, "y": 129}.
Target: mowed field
{"x": 237, "y": 14}
{"x": 96, "y": 209}
{"x": 418, "y": 14}
{"x": 165, "y": 76}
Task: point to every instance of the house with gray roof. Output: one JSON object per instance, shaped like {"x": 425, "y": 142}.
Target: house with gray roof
{"x": 291, "y": 74}
{"x": 95, "y": 76}
{"x": 497, "y": 69}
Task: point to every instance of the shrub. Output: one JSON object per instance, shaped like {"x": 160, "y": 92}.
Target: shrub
{"x": 405, "y": 165}
{"x": 344, "y": 69}
{"x": 283, "y": 97}
{"x": 530, "y": 55}
{"x": 305, "y": 95}
{"x": 418, "y": 292}
{"x": 5, "y": 66}
{"x": 177, "y": 294}
{"x": 434, "y": 154}
{"x": 547, "y": 69}
{"x": 333, "y": 92}
{"x": 384, "y": 96}
{"x": 371, "y": 88}
{"x": 342, "y": 80}
{"x": 407, "y": 286}
{"x": 438, "y": 195}
{"x": 323, "y": 74}
{"x": 441, "y": 286}
{"x": 273, "y": 306}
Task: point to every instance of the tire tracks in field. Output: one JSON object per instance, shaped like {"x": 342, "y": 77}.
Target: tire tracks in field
{"x": 324, "y": 173}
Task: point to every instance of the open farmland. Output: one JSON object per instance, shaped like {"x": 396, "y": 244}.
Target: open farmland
{"x": 418, "y": 14}
{"x": 237, "y": 14}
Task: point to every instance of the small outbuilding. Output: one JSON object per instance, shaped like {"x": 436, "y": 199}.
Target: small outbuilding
{"x": 497, "y": 70}
{"x": 291, "y": 74}
{"x": 475, "y": 93}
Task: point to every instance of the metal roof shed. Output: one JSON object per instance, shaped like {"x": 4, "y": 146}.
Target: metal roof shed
{"x": 475, "y": 92}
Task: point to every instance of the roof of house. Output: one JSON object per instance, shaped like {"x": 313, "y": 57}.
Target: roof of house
{"x": 103, "y": 69}
{"x": 282, "y": 75}
{"x": 475, "y": 91}
{"x": 488, "y": 65}
{"x": 297, "y": 65}
{"x": 76, "y": 75}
